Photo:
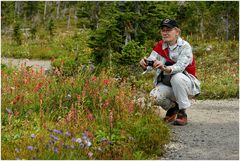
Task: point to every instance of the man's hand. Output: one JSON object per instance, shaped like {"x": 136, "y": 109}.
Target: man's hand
{"x": 160, "y": 65}
{"x": 143, "y": 63}
{"x": 167, "y": 69}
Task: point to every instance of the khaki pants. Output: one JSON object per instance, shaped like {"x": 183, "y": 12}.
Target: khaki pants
{"x": 180, "y": 92}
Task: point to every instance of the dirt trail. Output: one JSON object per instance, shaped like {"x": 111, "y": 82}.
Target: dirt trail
{"x": 211, "y": 134}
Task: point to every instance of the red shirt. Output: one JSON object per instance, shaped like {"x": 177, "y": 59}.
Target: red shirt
{"x": 191, "y": 68}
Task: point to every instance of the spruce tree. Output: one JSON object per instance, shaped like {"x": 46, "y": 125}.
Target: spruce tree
{"x": 50, "y": 27}
{"x": 17, "y": 35}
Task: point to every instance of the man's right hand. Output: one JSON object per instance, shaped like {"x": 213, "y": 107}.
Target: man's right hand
{"x": 143, "y": 63}
{"x": 158, "y": 64}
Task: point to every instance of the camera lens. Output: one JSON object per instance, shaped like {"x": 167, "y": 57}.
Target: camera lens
{"x": 149, "y": 63}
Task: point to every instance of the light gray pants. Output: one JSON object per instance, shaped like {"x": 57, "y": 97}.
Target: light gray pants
{"x": 165, "y": 96}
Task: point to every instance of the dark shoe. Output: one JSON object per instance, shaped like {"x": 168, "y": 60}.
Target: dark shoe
{"x": 181, "y": 118}
{"x": 171, "y": 114}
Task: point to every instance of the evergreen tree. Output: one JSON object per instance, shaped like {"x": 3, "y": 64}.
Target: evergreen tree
{"x": 88, "y": 14}
{"x": 7, "y": 14}
{"x": 17, "y": 35}
{"x": 50, "y": 27}
{"x": 31, "y": 9}
{"x": 225, "y": 19}
{"x": 33, "y": 31}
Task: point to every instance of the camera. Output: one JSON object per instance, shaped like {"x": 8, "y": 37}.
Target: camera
{"x": 149, "y": 63}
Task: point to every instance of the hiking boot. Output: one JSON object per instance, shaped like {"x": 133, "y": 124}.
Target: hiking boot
{"x": 171, "y": 114}
{"x": 181, "y": 118}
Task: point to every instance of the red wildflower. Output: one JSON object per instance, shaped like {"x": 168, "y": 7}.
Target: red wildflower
{"x": 78, "y": 100}
{"x": 38, "y": 86}
{"x": 78, "y": 97}
{"x": 90, "y": 116}
{"x": 86, "y": 84}
{"x": 89, "y": 134}
{"x": 41, "y": 101}
{"x": 106, "y": 82}
{"x": 111, "y": 119}
{"x": 131, "y": 107}
{"x": 106, "y": 103}
{"x": 41, "y": 70}
{"x": 16, "y": 114}
{"x": 94, "y": 78}
{"x": 83, "y": 93}
{"x": 62, "y": 62}
{"x": 16, "y": 99}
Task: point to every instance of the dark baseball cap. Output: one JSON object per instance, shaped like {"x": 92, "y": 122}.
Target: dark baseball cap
{"x": 168, "y": 23}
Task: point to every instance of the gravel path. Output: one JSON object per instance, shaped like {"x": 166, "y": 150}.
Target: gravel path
{"x": 211, "y": 134}
{"x": 37, "y": 64}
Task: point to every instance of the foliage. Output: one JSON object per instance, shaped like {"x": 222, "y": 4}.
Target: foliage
{"x": 17, "y": 35}
{"x": 50, "y": 27}
{"x": 210, "y": 19}
{"x": 131, "y": 54}
{"x": 81, "y": 117}
{"x": 33, "y": 31}
{"x": 126, "y": 63}
{"x": 106, "y": 40}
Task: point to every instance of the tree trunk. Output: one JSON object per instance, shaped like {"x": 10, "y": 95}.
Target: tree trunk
{"x": 136, "y": 22}
{"x": 45, "y": 10}
{"x": 95, "y": 15}
{"x": 17, "y": 8}
{"x": 202, "y": 28}
{"x": 227, "y": 26}
{"x": 127, "y": 32}
{"x": 128, "y": 36}
{"x": 69, "y": 18}
{"x": 65, "y": 9}
{"x": 58, "y": 8}
{"x": 75, "y": 16}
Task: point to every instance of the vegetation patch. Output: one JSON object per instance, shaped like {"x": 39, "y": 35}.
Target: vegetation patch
{"x": 80, "y": 117}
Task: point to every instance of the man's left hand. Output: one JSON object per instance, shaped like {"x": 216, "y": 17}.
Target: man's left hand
{"x": 166, "y": 69}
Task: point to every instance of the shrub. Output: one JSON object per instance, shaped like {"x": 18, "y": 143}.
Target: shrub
{"x": 126, "y": 63}
{"x": 17, "y": 35}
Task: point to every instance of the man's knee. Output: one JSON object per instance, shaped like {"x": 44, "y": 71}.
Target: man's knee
{"x": 153, "y": 96}
{"x": 177, "y": 79}
{"x": 158, "y": 99}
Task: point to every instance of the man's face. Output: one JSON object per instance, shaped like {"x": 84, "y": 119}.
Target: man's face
{"x": 169, "y": 34}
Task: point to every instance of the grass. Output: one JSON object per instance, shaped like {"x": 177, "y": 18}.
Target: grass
{"x": 218, "y": 69}
{"x": 80, "y": 117}
{"x": 66, "y": 43}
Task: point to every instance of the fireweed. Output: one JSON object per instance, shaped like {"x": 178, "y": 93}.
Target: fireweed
{"x": 87, "y": 116}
